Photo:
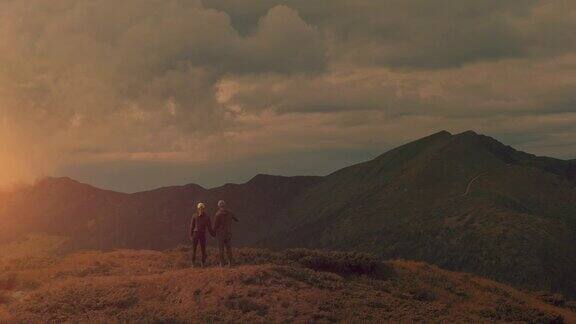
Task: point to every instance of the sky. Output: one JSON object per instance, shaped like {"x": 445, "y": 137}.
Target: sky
{"x": 136, "y": 94}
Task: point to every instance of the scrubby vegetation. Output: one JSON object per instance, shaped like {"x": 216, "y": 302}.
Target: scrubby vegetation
{"x": 343, "y": 263}
{"x": 291, "y": 286}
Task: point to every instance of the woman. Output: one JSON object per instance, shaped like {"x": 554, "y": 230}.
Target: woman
{"x": 198, "y": 227}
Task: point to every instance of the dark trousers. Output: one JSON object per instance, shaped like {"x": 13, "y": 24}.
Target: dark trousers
{"x": 199, "y": 239}
{"x": 225, "y": 244}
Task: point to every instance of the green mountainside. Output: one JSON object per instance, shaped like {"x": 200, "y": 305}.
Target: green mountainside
{"x": 464, "y": 202}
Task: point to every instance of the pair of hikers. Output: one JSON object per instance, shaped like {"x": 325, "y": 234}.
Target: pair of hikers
{"x": 222, "y": 231}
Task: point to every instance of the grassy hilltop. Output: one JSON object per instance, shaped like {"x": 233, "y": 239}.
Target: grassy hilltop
{"x": 292, "y": 286}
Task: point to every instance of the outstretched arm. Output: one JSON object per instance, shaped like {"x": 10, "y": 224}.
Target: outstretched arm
{"x": 234, "y": 218}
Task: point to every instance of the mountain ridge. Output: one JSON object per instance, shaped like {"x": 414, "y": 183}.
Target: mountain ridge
{"x": 465, "y": 202}
{"x": 406, "y": 202}
{"x": 443, "y": 134}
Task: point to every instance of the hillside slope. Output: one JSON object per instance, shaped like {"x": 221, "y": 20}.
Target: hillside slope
{"x": 159, "y": 287}
{"x": 464, "y": 202}
{"x": 100, "y": 219}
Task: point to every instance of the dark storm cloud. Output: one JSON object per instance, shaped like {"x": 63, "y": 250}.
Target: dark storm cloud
{"x": 425, "y": 34}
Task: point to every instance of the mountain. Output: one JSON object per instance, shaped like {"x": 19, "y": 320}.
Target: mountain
{"x": 136, "y": 286}
{"x": 464, "y": 202}
{"x": 100, "y": 219}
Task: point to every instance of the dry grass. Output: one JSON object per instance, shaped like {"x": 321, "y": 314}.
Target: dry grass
{"x": 159, "y": 287}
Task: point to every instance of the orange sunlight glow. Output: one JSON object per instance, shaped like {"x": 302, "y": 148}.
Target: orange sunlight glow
{"x": 20, "y": 160}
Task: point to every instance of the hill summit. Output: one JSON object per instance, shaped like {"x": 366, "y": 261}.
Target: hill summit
{"x": 291, "y": 286}
{"x": 464, "y": 202}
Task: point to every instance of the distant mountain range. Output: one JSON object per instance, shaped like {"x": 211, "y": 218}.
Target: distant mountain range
{"x": 93, "y": 218}
{"x": 464, "y": 202}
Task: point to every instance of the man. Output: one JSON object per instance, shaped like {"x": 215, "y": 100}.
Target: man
{"x": 198, "y": 227}
{"x": 223, "y": 231}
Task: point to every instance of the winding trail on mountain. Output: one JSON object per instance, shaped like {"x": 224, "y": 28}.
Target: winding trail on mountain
{"x": 471, "y": 182}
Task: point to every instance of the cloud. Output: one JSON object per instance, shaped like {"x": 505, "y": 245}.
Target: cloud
{"x": 505, "y": 88}
{"x": 137, "y": 78}
{"x": 419, "y": 34}
{"x": 84, "y": 82}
